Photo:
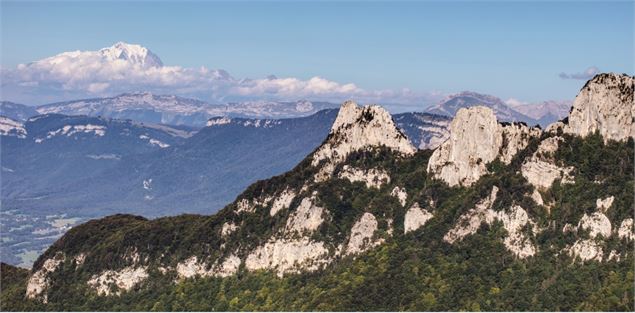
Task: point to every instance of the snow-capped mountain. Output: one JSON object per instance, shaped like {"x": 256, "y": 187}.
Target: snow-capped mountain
{"x": 135, "y": 54}
{"x": 451, "y": 104}
{"x": 175, "y": 110}
{"x": 16, "y": 111}
{"x": 120, "y": 53}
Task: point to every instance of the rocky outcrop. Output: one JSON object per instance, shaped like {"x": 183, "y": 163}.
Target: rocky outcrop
{"x": 470, "y": 222}
{"x": 604, "y": 204}
{"x": 283, "y": 201}
{"x": 357, "y": 128}
{"x": 39, "y": 281}
{"x": 362, "y": 234}
{"x": 604, "y": 104}
{"x": 373, "y": 178}
{"x": 193, "y": 268}
{"x": 626, "y": 230}
{"x": 514, "y": 221}
{"x": 476, "y": 138}
{"x": 288, "y": 256}
{"x": 540, "y": 169}
{"x": 401, "y": 194}
{"x": 123, "y": 279}
{"x": 590, "y": 249}
{"x": 415, "y": 218}
{"x": 306, "y": 218}
{"x": 227, "y": 229}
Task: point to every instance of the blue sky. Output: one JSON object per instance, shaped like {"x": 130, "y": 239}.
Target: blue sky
{"x": 511, "y": 50}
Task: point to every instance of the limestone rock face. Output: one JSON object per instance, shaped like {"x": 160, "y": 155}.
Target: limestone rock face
{"x": 470, "y": 222}
{"x": 540, "y": 170}
{"x": 514, "y": 220}
{"x": 283, "y": 201}
{"x": 357, "y": 128}
{"x": 604, "y": 104}
{"x": 362, "y": 234}
{"x": 415, "y": 218}
{"x": 288, "y": 256}
{"x": 124, "y": 279}
{"x": 591, "y": 249}
{"x": 401, "y": 194}
{"x": 307, "y": 217}
{"x": 228, "y": 229}
{"x": 626, "y": 230}
{"x": 476, "y": 138}
{"x": 604, "y": 204}
{"x": 373, "y": 177}
{"x": 39, "y": 281}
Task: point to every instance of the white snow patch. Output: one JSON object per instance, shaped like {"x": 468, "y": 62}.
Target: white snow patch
{"x": 218, "y": 121}
{"x": 9, "y": 127}
{"x": 156, "y": 142}
{"x": 147, "y": 184}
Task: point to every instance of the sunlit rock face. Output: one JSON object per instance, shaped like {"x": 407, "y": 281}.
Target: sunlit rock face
{"x": 415, "y": 218}
{"x": 540, "y": 169}
{"x": 125, "y": 279}
{"x": 357, "y": 128}
{"x": 362, "y": 234}
{"x": 514, "y": 220}
{"x": 39, "y": 281}
{"x": 476, "y": 138}
{"x": 604, "y": 104}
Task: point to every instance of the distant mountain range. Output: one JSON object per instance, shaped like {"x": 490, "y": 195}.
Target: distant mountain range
{"x": 17, "y": 111}
{"x": 174, "y": 110}
{"x": 542, "y": 114}
{"x": 169, "y": 109}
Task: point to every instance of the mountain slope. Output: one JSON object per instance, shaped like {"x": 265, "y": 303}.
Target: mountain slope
{"x": 149, "y": 108}
{"x": 16, "y": 111}
{"x": 365, "y": 223}
{"x": 466, "y": 99}
{"x": 545, "y": 112}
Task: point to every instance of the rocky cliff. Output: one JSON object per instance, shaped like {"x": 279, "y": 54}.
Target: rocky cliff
{"x": 367, "y": 214}
{"x": 605, "y": 104}
{"x": 476, "y": 139}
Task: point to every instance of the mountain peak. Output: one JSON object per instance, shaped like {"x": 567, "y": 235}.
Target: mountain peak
{"x": 131, "y": 53}
{"x": 476, "y": 138}
{"x": 600, "y": 106}
{"x": 357, "y": 128}
{"x": 465, "y": 99}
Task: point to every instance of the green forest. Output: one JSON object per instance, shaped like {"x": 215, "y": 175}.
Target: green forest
{"x": 416, "y": 271}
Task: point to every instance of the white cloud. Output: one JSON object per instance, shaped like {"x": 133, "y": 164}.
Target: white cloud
{"x": 586, "y": 75}
{"x": 124, "y": 68}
